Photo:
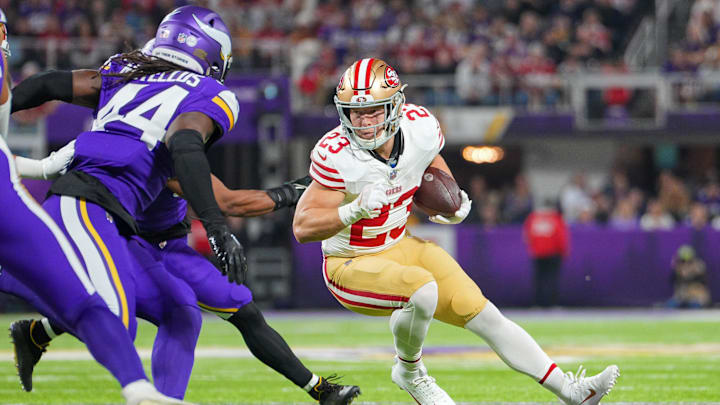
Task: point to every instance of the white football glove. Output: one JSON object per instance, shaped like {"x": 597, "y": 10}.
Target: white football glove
{"x": 367, "y": 205}
{"x": 57, "y": 163}
{"x": 460, "y": 214}
{"x": 49, "y": 168}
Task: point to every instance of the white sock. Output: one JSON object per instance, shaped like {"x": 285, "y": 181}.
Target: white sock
{"x": 48, "y": 329}
{"x": 313, "y": 381}
{"x": 409, "y": 325}
{"x": 516, "y": 348}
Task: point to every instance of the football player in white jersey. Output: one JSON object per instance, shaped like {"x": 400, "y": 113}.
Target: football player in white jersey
{"x": 365, "y": 173}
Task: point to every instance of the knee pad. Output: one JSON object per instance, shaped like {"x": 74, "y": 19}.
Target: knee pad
{"x": 465, "y": 304}
{"x": 424, "y": 299}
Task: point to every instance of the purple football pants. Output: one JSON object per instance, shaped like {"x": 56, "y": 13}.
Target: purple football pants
{"x": 163, "y": 300}
{"x": 132, "y": 277}
{"x": 214, "y": 292}
{"x": 34, "y": 251}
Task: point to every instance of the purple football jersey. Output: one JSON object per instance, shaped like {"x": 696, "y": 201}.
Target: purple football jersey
{"x": 166, "y": 211}
{"x": 125, "y": 149}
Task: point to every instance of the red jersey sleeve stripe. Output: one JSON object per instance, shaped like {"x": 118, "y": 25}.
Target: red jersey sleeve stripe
{"x": 320, "y": 165}
{"x": 316, "y": 176}
{"x": 325, "y": 176}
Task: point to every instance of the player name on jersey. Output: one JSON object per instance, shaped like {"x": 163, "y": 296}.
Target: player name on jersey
{"x": 337, "y": 164}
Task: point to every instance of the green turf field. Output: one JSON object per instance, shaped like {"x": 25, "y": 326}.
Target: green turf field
{"x": 663, "y": 357}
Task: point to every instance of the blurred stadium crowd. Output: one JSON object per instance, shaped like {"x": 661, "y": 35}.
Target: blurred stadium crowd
{"x": 501, "y": 51}
{"x": 494, "y": 52}
{"x": 697, "y": 52}
{"x": 618, "y": 203}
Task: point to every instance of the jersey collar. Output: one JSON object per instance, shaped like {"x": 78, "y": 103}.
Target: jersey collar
{"x": 397, "y": 150}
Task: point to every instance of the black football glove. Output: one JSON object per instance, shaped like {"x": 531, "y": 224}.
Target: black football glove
{"x": 289, "y": 193}
{"x": 229, "y": 252}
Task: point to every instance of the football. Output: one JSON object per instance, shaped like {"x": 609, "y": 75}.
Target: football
{"x": 438, "y": 193}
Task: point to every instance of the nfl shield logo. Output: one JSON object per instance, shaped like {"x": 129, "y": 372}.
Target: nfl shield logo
{"x": 393, "y": 174}
{"x": 182, "y": 37}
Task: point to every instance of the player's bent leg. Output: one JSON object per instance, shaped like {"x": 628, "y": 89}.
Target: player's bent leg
{"x": 104, "y": 251}
{"x": 459, "y": 298}
{"x": 373, "y": 285}
{"x": 409, "y": 326}
{"x": 462, "y": 303}
{"x": 234, "y": 303}
{"x": 511, "y": 342}
{"x": 380, "y": 284}
{"x": 36, "y": 253}
{"x": 269, "y": 347}
{"x": 170, "y": 304}
{"x": 214, "y": 293}
{"x": 520, "y": 351}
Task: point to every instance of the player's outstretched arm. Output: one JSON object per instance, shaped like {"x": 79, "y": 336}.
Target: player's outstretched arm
{"x": 316, "y": 215}
{"x": 80, "y": 87}
{"x": 186, "y": 139}
{"x": 48, "y": 168}
{"x": 252, "y": 203}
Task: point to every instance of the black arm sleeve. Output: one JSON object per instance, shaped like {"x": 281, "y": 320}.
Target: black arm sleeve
{"x": 193, "y": 172}
{"x": 42, "y": 87}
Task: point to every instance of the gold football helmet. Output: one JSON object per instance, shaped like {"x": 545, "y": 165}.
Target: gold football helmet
{"x": 369, "y": 83}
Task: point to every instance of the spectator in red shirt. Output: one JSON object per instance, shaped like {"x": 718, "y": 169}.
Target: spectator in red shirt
{"x": 546, "y": 235}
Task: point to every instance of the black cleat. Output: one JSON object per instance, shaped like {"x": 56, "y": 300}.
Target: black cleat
{"x": 327, "y": 392}
{"x": 27, "y": 352}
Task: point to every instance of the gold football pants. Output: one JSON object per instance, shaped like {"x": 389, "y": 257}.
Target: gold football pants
{"x": 379, "y": 283}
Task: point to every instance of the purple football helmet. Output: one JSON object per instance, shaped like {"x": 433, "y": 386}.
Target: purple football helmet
{"x": 196, "y": 39}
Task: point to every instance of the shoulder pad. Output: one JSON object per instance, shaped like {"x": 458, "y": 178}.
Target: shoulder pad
{"x": 421, "y": 127}
{"x": 334, "y": 162}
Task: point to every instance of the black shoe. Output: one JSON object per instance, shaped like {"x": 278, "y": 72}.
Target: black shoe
{"x": 27, "y": 353}
{"x": 327, "y": 392}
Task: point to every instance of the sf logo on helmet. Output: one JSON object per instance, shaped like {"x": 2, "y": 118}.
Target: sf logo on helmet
{"x": 391, "y": 77}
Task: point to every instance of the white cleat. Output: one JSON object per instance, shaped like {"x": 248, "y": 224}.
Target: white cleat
{"x": 590, "y": 390}
{"x": 141, "y": 392}
{"x": 421, "y": 387}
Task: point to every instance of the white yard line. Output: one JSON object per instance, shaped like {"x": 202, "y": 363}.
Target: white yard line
{"x": 385, "y": 352}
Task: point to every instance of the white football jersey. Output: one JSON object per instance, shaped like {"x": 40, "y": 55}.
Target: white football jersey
{"x": 338, "y": 164}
